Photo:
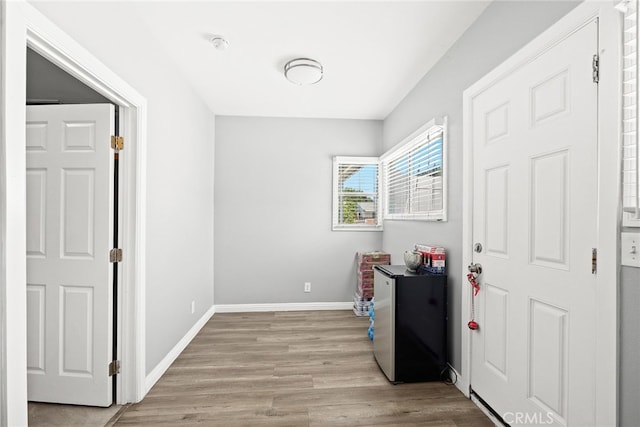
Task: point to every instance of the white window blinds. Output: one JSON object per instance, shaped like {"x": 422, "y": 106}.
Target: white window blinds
{"x": 355, "y": 193}
{"x": 414, "y": 176}
{"x": 630, "y": 169}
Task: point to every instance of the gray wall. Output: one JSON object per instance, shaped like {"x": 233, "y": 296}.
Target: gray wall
{"x": 273, "y": 209}
{"x": 629, "y": 344}
{"x": 179, "y": 223}
{"x": 499, "y": 32}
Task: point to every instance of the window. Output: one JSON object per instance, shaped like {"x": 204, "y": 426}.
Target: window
{"x": 355, "y": 194}
{"x": 415, "y": 178}
{"x": 630, "y": 144}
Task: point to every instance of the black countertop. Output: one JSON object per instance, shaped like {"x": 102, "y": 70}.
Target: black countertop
{"x": 395, "y": 270}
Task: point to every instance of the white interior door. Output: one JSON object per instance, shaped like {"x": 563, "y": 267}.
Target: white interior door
{"x": 69, "y": 202}
{"x": 534, "y": 137}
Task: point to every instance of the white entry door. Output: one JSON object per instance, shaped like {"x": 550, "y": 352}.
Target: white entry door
{"x": 69, "y": 297}
{"x": 534, "y": 207}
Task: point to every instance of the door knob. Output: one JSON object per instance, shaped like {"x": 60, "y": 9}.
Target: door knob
{"x": 475, "y": 268}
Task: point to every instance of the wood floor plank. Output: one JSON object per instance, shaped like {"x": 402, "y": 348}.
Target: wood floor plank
{"x": 230, "y": 418}
{"x": 369, "y": 414}
{"x": 364, "y": 394}
{"x": 292, "y": 369}
{"x": 206, "y": 385}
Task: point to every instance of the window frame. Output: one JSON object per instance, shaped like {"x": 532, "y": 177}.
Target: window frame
{"x": 340, "y": 160}
{"x": 630, "y": 144}
{"x": 413, "y": 142}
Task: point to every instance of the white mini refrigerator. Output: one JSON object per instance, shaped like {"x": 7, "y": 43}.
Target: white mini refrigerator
{"x": 410, "y": 331}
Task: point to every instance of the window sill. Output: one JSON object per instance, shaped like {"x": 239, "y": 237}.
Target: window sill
{"x": 356, "y": 228}
{"x": 415, "y": 218}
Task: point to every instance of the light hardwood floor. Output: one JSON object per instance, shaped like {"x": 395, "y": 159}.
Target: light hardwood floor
{"x": 292, "y": 369}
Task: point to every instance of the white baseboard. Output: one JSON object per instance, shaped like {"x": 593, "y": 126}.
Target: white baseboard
{"x": 294, "y": 306}
{"x": 460, "y": 382}
{"x": 164, "y": 364}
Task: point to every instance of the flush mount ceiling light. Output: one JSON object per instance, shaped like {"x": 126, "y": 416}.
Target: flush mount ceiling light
{"x": 303, "y": 71}
{"x": 219, "y": 42}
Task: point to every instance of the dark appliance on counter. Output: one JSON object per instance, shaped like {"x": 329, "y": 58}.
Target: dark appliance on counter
{"x": 410, "y": 339}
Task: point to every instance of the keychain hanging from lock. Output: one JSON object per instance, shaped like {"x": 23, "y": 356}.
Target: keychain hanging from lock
{"x": 473, "y": 325}
{"x": 474, "y": 271}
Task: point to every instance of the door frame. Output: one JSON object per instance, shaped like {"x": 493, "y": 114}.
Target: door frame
{"x": 609, "y": 107}
{"x": 24, "y": 26}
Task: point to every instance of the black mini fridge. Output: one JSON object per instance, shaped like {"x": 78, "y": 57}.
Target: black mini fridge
{"x": 410, "y": 329}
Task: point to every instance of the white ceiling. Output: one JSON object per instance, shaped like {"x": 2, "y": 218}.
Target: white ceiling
{"x": 373, "y": 52}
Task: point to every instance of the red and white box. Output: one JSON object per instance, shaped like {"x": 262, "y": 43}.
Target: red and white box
{"x": 434, "y": 257}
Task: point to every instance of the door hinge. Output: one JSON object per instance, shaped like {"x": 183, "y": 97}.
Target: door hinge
{"x": 594, "y": 261}
{"x": 114, "y": 367}
{"x": 115, "y": 255}
{"x": 595, "y": 67}
{"x": 117, "y": 142}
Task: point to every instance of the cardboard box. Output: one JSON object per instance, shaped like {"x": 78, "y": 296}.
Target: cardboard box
{"x": 367, "y": 293}
{"x": 366, "y": 260}
{"x": 365, "y": 275}
{"x": 434, "y": 258}
{"x": 364, "y": 270}
{"x": 374, "y": 258}
{"x": 365, "y": 281}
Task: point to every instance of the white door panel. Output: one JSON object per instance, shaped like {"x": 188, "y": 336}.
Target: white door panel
{"x": 36, "y": 329}
{"x": 69, "y": 277}
{"x": 535, "y": 203}
{"x": 36, "y": 212}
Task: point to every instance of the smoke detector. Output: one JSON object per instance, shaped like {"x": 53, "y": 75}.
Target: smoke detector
{"x": 219, "y": 42}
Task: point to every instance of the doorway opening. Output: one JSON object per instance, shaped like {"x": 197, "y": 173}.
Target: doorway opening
{"x": 69, "y": 127}
{"x": 87, "y": 80}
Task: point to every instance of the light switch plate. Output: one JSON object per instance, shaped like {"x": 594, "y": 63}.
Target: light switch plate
{"x": 630, "y": 249}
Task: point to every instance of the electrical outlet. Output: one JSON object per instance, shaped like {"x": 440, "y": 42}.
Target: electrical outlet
{"x": 307, "y": 286}
{"x": 193, "y": 307}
